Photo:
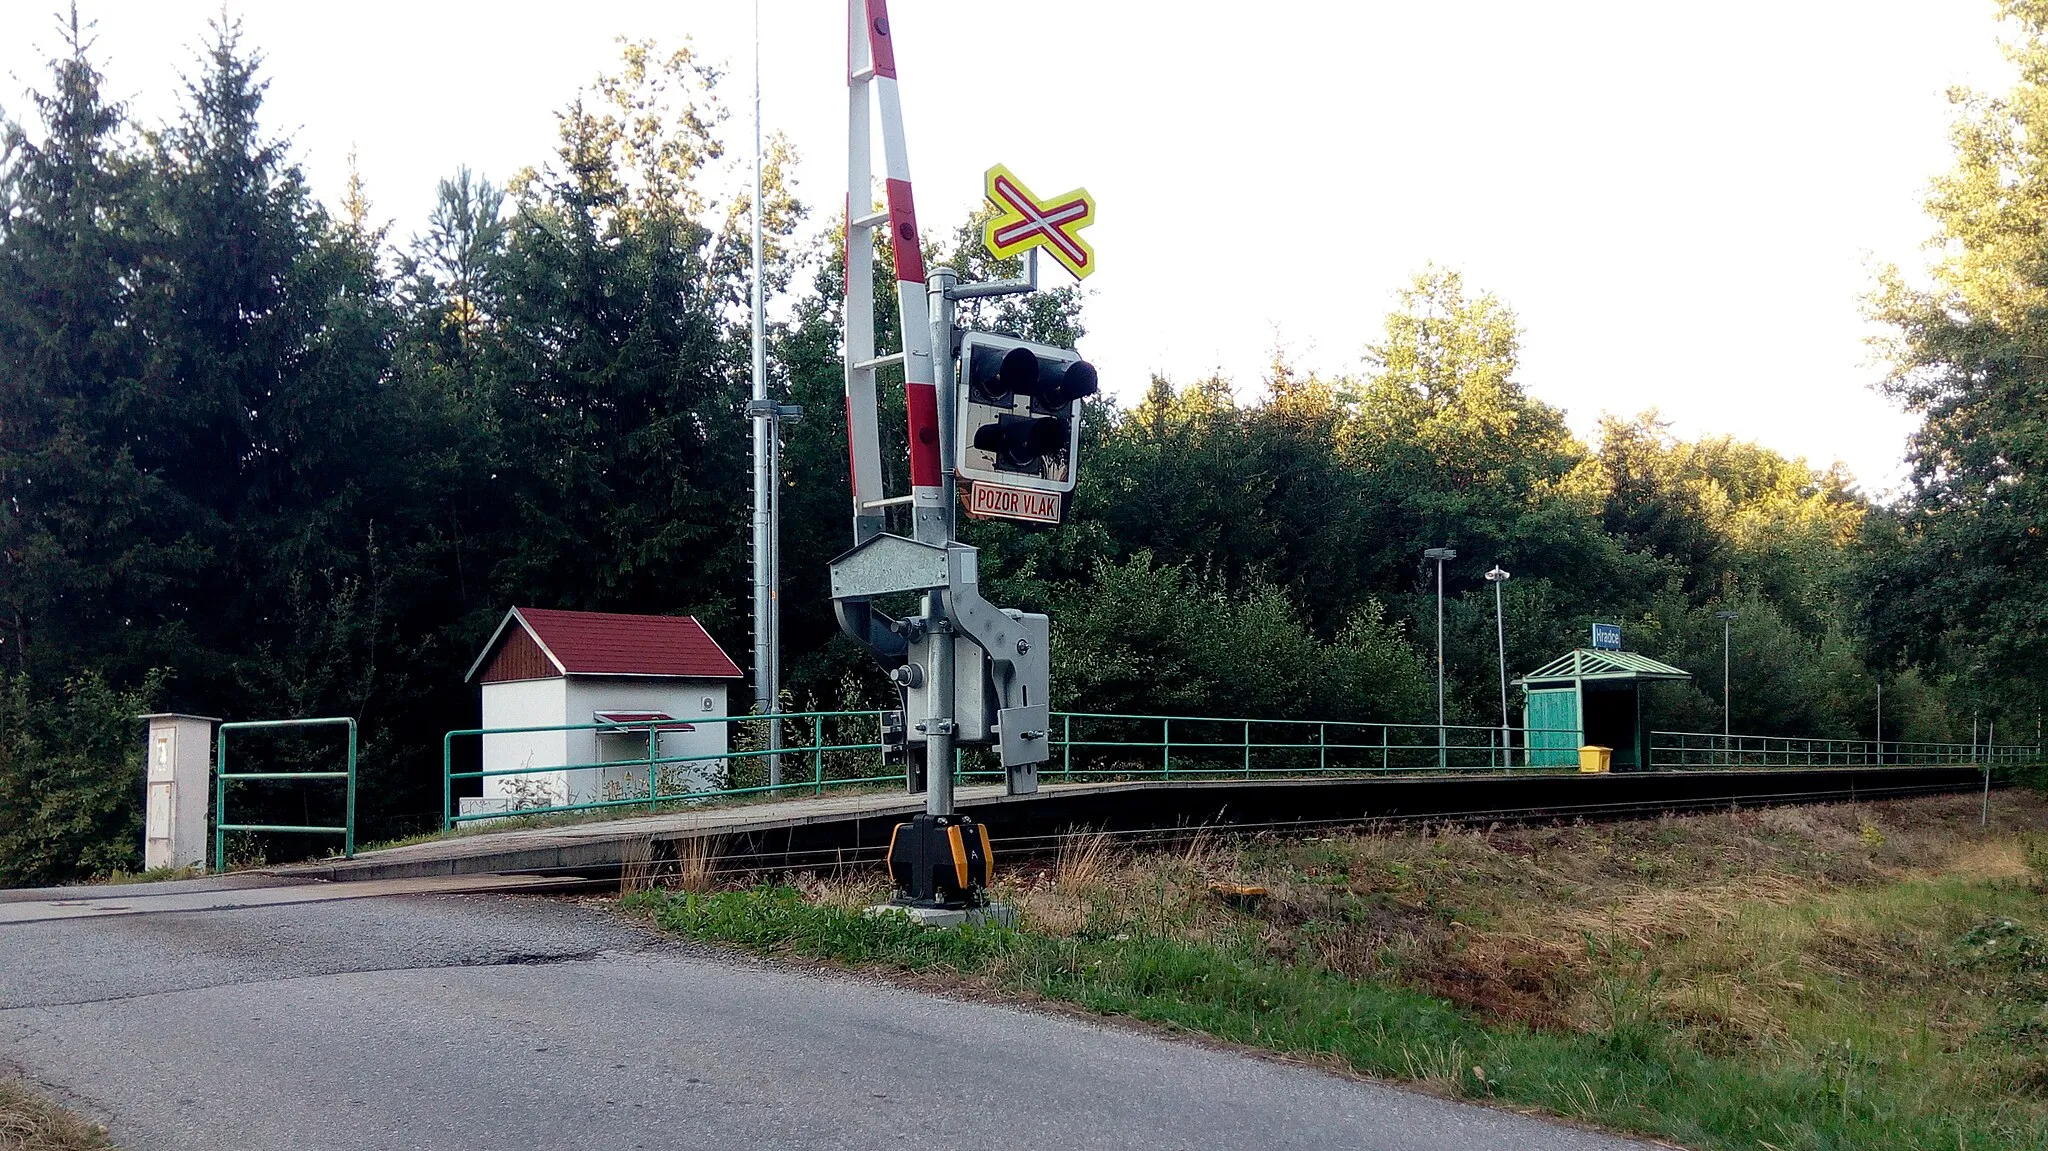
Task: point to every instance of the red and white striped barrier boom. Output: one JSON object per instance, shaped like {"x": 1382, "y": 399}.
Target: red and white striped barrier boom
{"x": 871, "y": 66}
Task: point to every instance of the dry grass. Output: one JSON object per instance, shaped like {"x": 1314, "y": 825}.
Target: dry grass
{"x": 1769, "y": 930}
{"x": 696, "y": 864}
{"x": 29, "y": 1122}
{"x": 1854, "y": 975}
{"x": 636, "y": 865}
{"x": 1085, "y": 861}
{"x": 1064, "y": 900}
{"x": 678, "y": 865}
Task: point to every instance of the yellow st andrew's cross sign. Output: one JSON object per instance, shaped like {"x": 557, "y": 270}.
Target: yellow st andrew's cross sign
{"x": 1023, "y": 221}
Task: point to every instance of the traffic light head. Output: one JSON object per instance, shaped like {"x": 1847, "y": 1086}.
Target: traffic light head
{"x": 997, "y": 375}
{"x": 1017, "y": 415}
{"x": 1020, "y": 442}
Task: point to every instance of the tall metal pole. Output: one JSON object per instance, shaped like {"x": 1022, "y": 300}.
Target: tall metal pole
{"x": 1727, "y": 726}
{"x": 938, "y": 747}
{"x": 1442, "y": 748}
{"x": 1497, "y": 577}
{"x": 767, "y": 689}
{"x": 1990, "y": 748}
{"x": 1442, "y": 738}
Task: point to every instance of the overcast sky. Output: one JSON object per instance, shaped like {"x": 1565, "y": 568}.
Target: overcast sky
{"x": 1683, "y": 203}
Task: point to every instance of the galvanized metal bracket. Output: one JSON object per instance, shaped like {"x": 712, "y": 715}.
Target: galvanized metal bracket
{"x": 883, "y": 565}
{"x": 1017, "y": 646}
{"x": 886, "y": 564}
{"x": 1000, "y": 655}
{"x": 1025, "y": 735}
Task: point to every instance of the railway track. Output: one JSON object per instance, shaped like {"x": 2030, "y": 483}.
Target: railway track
{"x": 849, "y": 831}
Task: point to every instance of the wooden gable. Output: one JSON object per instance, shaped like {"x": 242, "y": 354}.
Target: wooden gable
{"x": 518, "y": 658}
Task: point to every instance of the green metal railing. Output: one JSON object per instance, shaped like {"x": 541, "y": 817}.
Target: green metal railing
{"x": 843, "y": 748}
{"x": 1100, "y": 745}
{"x": 1683, "y": 749}
{"x": 827, "y": 749}
{"x": 222, "y": 777}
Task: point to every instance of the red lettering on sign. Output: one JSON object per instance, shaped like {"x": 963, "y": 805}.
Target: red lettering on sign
{"x": 994, "y": 500}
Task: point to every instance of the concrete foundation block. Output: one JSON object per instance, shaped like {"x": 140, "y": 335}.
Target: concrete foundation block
{"x": 995, "y": 914}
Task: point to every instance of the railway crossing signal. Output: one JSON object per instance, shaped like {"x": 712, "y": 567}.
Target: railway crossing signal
{"x": 1023, "y": 221}
{"x": 1005, "y": 420}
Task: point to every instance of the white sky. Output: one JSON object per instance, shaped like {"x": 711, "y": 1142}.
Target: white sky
{"x": 1683, "y": 202}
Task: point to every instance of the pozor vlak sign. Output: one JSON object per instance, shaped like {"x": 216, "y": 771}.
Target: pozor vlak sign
{"x": 986, "y": 500}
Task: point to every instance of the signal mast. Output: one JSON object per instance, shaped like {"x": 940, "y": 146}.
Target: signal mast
{"x": 1002, "y": 414}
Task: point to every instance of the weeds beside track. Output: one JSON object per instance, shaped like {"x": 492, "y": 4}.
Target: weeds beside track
{"x": 1870, "y": 975}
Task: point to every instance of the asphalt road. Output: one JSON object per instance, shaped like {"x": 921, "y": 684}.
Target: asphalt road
{"x": 492, "y": 1022}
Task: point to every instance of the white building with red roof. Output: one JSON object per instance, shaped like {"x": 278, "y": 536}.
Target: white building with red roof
{"x": 616, "y": 694}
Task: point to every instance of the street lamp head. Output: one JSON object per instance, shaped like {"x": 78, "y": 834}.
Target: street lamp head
{"x": 1440, "y": 554}
{"x": 1498, "y": 574}
{"x": 1726, "y": 614}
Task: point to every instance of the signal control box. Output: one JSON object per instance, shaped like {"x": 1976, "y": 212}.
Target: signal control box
{"x": 179, "y": 755}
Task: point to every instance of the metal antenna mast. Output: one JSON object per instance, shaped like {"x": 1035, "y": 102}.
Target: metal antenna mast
{"x": 767, "y": 545}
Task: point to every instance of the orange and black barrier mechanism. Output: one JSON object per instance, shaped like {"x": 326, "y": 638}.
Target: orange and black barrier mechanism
{"x": 940, "y": 861}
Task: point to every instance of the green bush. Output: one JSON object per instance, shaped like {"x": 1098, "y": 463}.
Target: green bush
{"x": 70, "y": 779}
{"x": 1149, "y": 638}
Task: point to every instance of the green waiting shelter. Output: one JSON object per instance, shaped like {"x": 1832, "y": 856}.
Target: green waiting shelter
{"x": 1590, "y": 696}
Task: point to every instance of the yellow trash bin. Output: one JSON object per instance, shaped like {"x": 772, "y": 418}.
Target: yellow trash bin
{"x": 1593, "y": 758}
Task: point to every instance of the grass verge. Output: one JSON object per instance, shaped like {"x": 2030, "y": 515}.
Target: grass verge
{"x": 29, "y": 1122}
{"x": 1841, "y": 977}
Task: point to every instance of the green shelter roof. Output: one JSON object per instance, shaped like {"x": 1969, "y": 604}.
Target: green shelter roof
{"x": 1589, "y": 664}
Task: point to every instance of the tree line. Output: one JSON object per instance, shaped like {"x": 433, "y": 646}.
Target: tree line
{"x": 261, "y": 457}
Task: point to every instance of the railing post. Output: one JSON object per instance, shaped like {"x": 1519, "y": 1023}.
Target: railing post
{"x": 447, "y": 781}
{"x": 1322, "y": 747}
{"x": 1385, "y": 762}
{"x": 653, "y": 743}
{"x": 1247, "y": 749}
{"x": 348, "y": 824}
{"x": 1067, "y": 746}
{"x": 1166, "y": 748}
{"x": 220, "y": 801}
{"x": 818, "y": 754}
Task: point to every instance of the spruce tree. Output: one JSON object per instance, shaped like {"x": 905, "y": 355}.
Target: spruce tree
{"x": 78, "y": 550}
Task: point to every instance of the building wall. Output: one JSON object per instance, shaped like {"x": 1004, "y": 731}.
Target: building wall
{"x": 685, "y": 699}
{"x": 525, "y": 703}
{"x": 1551, "y": 725}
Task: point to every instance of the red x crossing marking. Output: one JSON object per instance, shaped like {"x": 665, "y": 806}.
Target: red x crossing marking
{"x": 1024, "y": 221}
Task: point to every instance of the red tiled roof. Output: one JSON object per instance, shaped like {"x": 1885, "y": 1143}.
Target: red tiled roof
{"x": 606, "y": 643}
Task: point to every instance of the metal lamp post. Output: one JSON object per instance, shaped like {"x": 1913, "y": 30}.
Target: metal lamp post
{"x": 1726, "y": 741}
{"x": 1498, "y": 577}
{"x": 1442, "y": 742}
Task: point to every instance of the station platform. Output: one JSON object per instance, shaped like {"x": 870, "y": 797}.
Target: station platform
{"x": 831, "y": 831}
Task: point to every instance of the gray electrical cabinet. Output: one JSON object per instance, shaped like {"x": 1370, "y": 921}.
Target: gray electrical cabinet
{"x": 180, "y": 768}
